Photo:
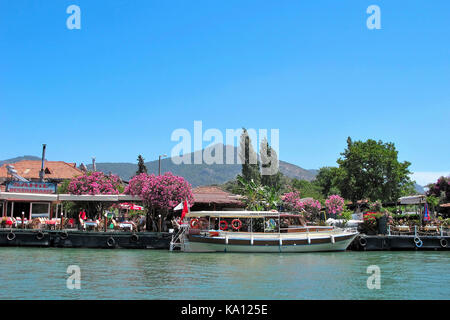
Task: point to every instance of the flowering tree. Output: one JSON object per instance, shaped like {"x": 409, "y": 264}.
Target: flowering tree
{"x": 160, "y": 193}
{"x": 291, "y": 201}
{"x": 308, "y": 206}
{"x": 311, "y": 206}
{"x": 440, "y": 189}
{"x": 334, "y": 204}
{"x": 93, "y": 183}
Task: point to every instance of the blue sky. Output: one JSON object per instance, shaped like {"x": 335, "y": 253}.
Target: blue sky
{"x": 138, "y": 70}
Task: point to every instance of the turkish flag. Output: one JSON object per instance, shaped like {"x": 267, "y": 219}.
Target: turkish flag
{"x": 185, "y": 209}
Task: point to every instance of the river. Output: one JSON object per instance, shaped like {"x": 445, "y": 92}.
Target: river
{"x": 34, "y": 273}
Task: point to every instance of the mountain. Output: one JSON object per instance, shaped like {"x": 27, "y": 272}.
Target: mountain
{"x": 200, "y": 174}
{"x": 196, "y": 174}
{"x": 419, "y": 189}
{"x": 17, "y": 159}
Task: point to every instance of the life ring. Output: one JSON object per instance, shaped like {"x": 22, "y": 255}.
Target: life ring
{"x": 443, "y": 243}
{"x": 194, "y": 224}
{"x": 110, "y": 242}
{"x": 134, "y": 237}
{"x": 238, "y": 226}
{"x": 419, "y": 243}
{"x": 225, "y": 225}
{"x": 417, "y": 240}
{"x": 362, "y": 241}
{"x": 11, "y": 236}
{"x": 40, "y": 235}
{"x": 63, "y": 235}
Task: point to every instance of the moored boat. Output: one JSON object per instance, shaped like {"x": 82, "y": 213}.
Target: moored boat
{"x": 257, "y": 231}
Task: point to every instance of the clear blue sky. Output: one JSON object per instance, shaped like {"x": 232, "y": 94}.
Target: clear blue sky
{"x": 137, "y": 70}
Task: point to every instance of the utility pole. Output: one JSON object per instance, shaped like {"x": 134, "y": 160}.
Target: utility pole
{"x": 159, "y": 169}
{"x": 42, "y": 172}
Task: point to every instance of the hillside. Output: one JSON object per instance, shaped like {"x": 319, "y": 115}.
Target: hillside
{"x": 196, "y": 174}
{"x": 200, "y": 174}
{"x": 17, "y": 159}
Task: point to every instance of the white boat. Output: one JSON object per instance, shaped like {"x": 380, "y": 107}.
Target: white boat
{"x": 257, "y": 231}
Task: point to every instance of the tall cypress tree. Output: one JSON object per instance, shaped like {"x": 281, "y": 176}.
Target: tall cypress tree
{"x": 270, "y": 173}
{"x": 249, "y": 158}
{"x": 141, "y": 165}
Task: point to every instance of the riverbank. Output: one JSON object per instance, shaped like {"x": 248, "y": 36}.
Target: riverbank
{"x": 41, "y": 273}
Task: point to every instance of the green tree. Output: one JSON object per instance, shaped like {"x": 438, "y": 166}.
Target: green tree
{"x": 328, "y": 180}
{"x": 249, "y": 159}
{"x": 270, "y": 172}
{"x": 371, "y": 170}
{"x": 308, "y": 189}
{"x": 141, "y": 165}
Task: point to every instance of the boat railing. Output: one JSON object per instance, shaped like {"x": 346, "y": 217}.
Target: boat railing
{"x": 178, "y": 238}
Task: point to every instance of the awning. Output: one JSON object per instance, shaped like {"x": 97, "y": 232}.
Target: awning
{"x": 11, "y": 196}
{"x": 28, "y": 196}
{"x": 418, "y": 199}
{"x": 233, "y": 214}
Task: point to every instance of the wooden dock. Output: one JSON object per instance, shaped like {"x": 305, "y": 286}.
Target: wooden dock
{"x": 84, "y": 239}
{"x": 399, "y": 242}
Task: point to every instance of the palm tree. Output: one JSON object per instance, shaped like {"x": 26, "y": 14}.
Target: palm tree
{"x": 258, "y": 197}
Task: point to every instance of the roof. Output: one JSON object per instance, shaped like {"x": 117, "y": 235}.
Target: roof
{"x": 29, "y": 169}
{"x": 232, "y": 214}
{"x": 66, "y": 197}
{"x": 417, "y": 199}
{"x": 213, "y": 194}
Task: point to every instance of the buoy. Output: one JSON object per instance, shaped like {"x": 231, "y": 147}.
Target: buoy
{"x": 110, "y": 242}
{"x": 40, "y": 235}
{"x": 362, "y": 241}
{"x": 134, "y": 237}
{"x": 11, "y": 236}
{"x": 238, "y": 226}
{"x": 63, "y": 235}
{"x": 443, "y": 243}
{"x": 194, "y": 224}
{"x": 225, "y": 225}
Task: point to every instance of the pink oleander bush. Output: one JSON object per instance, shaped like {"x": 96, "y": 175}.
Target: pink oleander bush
{"x": 163, "y": 192}
{"x": 95, "y": 183}
{"x": 334, "y": 204}
{"x": 293, "y": 202}
{"x": 312, "y": 206}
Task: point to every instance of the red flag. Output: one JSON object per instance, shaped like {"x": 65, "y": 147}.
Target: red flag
{"x": 185, "y": 209}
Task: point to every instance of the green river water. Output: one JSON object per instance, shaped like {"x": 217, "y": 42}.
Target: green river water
{"x": 32, "y": 273}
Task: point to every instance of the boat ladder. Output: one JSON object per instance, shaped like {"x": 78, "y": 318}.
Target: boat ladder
{"x": 178, "y": 238}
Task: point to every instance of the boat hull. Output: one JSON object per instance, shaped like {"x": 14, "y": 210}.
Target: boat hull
{"x": 195, "y": 243}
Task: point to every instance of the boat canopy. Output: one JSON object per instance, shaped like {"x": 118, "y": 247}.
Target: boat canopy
{"x": 239, "y": 214}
